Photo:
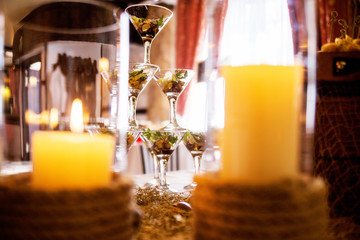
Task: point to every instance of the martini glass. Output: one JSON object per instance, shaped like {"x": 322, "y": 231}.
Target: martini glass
{"x": 131, "y": 137}
{"x": 173, "y": 82}
{"x": 124, "y": 141}
{"x": 148, "y": 21}
{"x": 162, "y": 143}
{"x": 196, "y": 144}
{"x": 139, "y": 76}
{"x": 155, "y": 181}
{"x": 110, "y": 79}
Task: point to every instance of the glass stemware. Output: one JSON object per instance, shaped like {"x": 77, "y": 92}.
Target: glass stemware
{"x": 162, "y": 143}
{"x": 196, "y": 144}
{"x": 154, "y": 181}
{"x": 139, "y": 76}
{"x": 131, "y": 137}
{"x": 148, "y": 21}
{"x": 124, "y": 141}
{"x": 173, "y": 82}
{"x": 110, "y": 78}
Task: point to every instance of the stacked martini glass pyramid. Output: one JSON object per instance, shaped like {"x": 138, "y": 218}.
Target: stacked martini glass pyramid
{"x": 149, "y": 20}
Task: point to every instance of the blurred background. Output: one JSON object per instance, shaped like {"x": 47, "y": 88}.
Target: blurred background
{"x": 152, "y": 107}
{"x": 182, "y": 43}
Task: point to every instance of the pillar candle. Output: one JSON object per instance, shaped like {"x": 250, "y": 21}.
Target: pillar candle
{"x": 71, "y": 160}
{"x": 260, "y": 140}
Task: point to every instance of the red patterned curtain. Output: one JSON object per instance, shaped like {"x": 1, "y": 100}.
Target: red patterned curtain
{"x": 220, "y": 13}
{"x": 190, "y": 28}
{"x": 190, "y": 32}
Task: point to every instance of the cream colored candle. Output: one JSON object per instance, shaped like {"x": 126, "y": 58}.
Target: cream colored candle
{"x": 260, "y": 141}
{"x": 71, "y": 160}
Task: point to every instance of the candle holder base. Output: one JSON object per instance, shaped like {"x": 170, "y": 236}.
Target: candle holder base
{"x": 101, "y": 213}
{"x": 286, "y": 209}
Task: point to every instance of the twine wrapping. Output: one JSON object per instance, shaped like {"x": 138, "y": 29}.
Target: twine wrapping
{"x": 103, "y": 213}
{"x": 291, "y": 209}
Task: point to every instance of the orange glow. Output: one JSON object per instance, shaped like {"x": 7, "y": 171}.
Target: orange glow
{"x": 33, "y": 81}
{"x": 54, "y": 118}
{"x": 33, "y": 118}
{"x": 5, "y": 91}
{"x": 104, "y": 64}
{"x": 86, "y": 117}
{"x": 44, "y": 117}
{"x": 76, "y": 117}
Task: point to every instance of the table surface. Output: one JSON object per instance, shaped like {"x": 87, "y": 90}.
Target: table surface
{"x": 176, "y": 179}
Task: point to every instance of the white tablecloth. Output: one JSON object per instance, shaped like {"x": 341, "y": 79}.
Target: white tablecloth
{"x": 176, "y": 179}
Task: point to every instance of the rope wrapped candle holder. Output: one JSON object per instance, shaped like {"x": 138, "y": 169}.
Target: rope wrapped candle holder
{"x": 286, "y": 209}
{"x": 105, "y": 213}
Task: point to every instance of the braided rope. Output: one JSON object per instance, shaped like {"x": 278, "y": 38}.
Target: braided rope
{"x": 104, "y": 213}
{"x": 290, "y": 209}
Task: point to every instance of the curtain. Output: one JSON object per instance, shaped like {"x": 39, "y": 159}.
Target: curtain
{"x": 220, "y": 13}
{"x": 190, "y": 28}
{"x": 190, "y": 32}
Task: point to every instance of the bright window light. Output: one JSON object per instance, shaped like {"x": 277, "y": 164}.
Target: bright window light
{"x": 36, "y": 66}
{"x": 248, "y": 37}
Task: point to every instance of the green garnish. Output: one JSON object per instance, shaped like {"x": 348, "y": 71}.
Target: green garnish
{"x": 138, "y": 20}
{"x": 180, "y": 74}
{"x": 133, "y": 74}
{"x": 172, "y": 139}
{"x": 173, "y": 82}
{"x": 195, "y": 142}
{"x": 147, "y": 133}
{"x": 135, "y": 19}
{"x": 196, "y": 137}
{"x": 186, "y": 135}
{"x": 160, "y": 136}
{"x": 160, "y": 22}
{"x": 137, "y": 79}
{"x": 147, "y": 27}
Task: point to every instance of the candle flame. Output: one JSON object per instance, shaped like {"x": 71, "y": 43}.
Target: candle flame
{"x": 104, "y": 69}
{"x": 76, "y": 117}
{"x": 54, "y": 118}
{"x": 104, "y": 64}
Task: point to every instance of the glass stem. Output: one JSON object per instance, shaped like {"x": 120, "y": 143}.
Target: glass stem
{"x": 147, "y": 46}
{"x": 156, "y": 166}
{"x": 172, "y": 111}
{"x": 197, "y": 160}
{"x": 162, "y": 177}
{"x": 132, "y": 109}
{"x": 113, "y": 111}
